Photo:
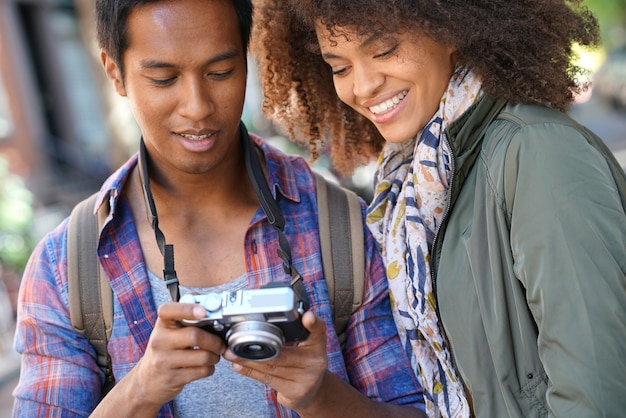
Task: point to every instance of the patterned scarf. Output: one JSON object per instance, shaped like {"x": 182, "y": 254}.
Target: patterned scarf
{"x": 411, "y": 194}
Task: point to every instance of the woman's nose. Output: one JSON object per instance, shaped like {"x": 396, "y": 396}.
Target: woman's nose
{"x": 366, "y": 81}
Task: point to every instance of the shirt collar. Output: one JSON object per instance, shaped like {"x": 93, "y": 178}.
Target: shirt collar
{"x": 280, "y": 169}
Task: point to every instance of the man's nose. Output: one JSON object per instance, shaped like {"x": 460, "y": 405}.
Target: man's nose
{"x": 195, "y": 101}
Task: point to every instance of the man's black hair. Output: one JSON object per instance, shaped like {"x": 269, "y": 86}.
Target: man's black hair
{"x": 112, "y": 24}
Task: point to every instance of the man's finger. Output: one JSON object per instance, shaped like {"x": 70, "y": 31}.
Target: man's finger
{"x": 171, "y": 313}
{"x": 316, "y": 327}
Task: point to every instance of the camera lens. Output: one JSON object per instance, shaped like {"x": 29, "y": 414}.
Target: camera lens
{"x": 254, "y": 340}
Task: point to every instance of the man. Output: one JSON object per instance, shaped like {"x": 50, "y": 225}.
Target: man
{"x": 182, "y": 66}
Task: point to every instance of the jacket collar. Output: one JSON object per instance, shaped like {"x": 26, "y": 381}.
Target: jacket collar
{"x": 465, "y": 136}
{"x": 469, "y": 129}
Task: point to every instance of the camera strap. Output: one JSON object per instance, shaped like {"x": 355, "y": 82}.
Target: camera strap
{"x": 267, "y": 201}
{"x": 273, "y": 213}
{"x": 167, "y": 250}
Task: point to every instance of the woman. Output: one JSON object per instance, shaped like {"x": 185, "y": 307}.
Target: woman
{"x": 501, "y": 220}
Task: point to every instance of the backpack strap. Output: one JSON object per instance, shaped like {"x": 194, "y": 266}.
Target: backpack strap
{"x": 91, "y": 312}
{"x": 343, "y": 262}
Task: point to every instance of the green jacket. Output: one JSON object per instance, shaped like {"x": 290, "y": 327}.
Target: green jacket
{"x": 529, "y": 265}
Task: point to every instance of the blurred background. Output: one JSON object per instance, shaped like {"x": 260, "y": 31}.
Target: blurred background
{"x": 63, "y": 130}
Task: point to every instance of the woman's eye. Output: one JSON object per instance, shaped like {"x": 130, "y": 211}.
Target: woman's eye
{"x": 387, "y": 53}
{"x": 339, "y": 71}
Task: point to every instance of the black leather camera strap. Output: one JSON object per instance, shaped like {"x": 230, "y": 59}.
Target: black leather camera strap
{"x": 167, "y": 250}
{"x": 273, "y": 213}
{"x": 267, "y": 201}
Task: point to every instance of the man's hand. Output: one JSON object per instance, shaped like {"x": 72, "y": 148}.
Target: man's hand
{"x": 175, "y": 356}
{"x": 303, "y": 384}
{"x": 298, "y": 371}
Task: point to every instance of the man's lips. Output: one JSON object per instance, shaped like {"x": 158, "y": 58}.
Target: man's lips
{"x": 195, "y": 137}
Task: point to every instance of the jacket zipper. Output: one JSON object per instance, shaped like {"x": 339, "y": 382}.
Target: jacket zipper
{"x": 443, "y": 222}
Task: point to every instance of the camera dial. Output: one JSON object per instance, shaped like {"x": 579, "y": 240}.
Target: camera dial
{"x": 212, "y": 302}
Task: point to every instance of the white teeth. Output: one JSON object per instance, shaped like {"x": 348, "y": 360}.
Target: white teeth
{"x": 388, "y": 104}
{"x": 194, "y": 137}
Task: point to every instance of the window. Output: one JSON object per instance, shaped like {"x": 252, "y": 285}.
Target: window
{"x": 6, "y": 123}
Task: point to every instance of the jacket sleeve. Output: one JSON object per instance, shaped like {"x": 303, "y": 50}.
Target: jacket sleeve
{"x": 568, "y": 237}
{"x": 59, "y": 376}
{"x": 376, "y": 363}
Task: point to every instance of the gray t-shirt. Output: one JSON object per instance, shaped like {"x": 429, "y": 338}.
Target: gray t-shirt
{"x": 225, "y": 393}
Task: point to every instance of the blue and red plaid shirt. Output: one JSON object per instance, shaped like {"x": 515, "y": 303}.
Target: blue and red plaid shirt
{"x": 59, "y": 374}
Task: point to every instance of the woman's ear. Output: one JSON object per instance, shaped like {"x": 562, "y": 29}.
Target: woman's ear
{"x": 454, "y": 56}
{"x": 113, "y": 73}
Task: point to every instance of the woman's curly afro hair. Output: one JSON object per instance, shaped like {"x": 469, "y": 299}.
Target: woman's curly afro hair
{"x": 523, "y": 51}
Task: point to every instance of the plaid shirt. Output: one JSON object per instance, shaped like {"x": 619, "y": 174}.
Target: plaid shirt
{"x": 59, "y": 375}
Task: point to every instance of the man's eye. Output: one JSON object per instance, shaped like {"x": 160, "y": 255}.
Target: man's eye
{"x": 218, "y": 75}
{"x": 162, "y": 81}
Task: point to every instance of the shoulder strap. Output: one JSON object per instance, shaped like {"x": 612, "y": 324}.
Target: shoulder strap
{"x": 343, "y": 262}
{"x": 91, "y": 310}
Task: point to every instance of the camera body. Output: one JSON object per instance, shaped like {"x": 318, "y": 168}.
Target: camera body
{"x": 254, "y": 323}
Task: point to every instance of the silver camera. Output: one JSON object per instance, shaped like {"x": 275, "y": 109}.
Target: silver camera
{"x": 254, "y": 323}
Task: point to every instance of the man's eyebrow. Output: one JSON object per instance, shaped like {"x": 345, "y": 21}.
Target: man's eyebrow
{"x": 150, "y": 64}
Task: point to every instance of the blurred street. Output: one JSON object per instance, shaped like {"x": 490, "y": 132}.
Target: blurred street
{"x": 9, "y": 370}
{"x": 605, "y": 121}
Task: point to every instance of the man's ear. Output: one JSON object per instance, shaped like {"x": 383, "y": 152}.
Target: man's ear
{"x": 113, "y": 73}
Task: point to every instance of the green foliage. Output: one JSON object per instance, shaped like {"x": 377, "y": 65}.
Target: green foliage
{"x": 612, "y": 17}
{"x": 16, "y": 216}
